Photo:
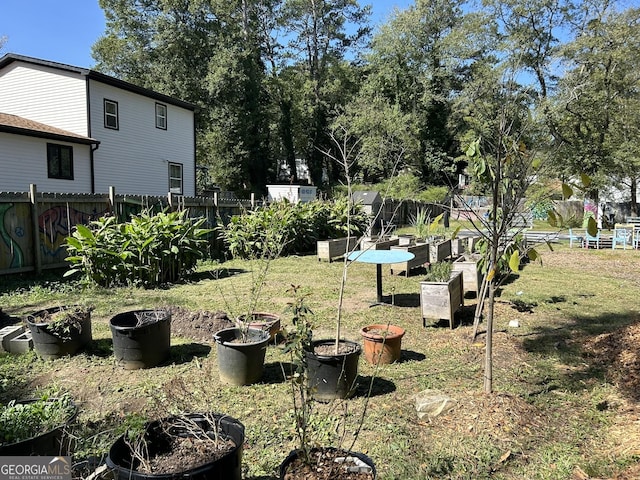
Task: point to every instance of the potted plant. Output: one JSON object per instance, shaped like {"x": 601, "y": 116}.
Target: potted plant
{"x": 382, "y": 343}
{"x": 36, "y": 426}
{"x": 141, "y": 338}
{"x": 309, "y": 461}
{"x": 60, "y": 331}
{"x": 241, "y": 350}
{"x": 441, "y": 293}
{"x": 193, "y": 445}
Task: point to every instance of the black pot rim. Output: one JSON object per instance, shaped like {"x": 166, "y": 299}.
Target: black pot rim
{"x": 357, "y": 351}
{"x": 294, "y": 454}
{"x": 263, "y": 334}
{"x": 32, "y": 317}
{"x": 186, "y": 473}
{"x": 167, "y": 316}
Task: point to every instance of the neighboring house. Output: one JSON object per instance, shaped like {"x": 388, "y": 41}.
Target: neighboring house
{"x": 70, "y": 129}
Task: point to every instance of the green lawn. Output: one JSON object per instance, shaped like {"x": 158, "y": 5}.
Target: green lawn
{"x": 566, "y": 380}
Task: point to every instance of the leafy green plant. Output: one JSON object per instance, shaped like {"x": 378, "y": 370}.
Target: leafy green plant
{"x": 297, "y": 344}
{"x": 23, "y": 420}
{"x": 148, "y": 250}
{"x": 420, "y": 222}
{"x": 65, "y": 321}
{"x": 294, "y": 226}
{"x": 439, "y": 272}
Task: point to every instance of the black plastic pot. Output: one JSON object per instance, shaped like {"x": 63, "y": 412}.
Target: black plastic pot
{"x": 55, "y": 442}
{"x": 50, "y": 346}
{"x": 333, "y": 376}
{"x": 228, "y": 467}
{"x": 241, "y": 361}
{"x": 295, "y": 453}
{"x": 141, "y": 338}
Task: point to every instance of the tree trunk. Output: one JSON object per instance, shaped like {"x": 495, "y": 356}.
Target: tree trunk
{"x": 488, "y": 358}
{"x": 634, "y": 197}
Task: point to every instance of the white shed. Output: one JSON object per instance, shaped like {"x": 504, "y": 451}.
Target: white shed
{"x": 293, "y": 193}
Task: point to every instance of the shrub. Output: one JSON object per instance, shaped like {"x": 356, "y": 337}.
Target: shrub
{"x": 284, "y": 228}
{"x": 439, "y": 272}
{"x": 148, "y": 250}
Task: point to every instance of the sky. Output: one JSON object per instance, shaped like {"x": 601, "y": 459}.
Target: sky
{"x": 64, "y": 30}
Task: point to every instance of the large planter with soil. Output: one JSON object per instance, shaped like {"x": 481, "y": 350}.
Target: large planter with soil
{"x": 332, "y": 375}
{"x": 382, "y": 343}
{"x": 196, "y": 446}
{"x": 328, "y": 464}
{"x": 471, "y": 274}
{"x": 141, "y": 338}
{"x": 241, "y": 355}
{"x": 441, "y": 300}
{"x": 336, "y": 247}
{"x": 45, "y": 433}
{"x": 60, "y": 331}
{"x": 268, "y": 322}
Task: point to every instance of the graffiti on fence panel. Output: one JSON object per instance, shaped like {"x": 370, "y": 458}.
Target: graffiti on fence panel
{"x": 55, "y": 225}
{"x": 14, "y": 257}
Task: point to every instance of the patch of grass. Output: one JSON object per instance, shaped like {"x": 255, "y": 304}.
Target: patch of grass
{"x": 557, "y": 404}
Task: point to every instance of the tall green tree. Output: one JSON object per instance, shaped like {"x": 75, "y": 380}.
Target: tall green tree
{"x": 205, "y": 52}
{"x": 597, "y": 107}
{"x": 323, "y": 37}
{"x": 414, "y": 69}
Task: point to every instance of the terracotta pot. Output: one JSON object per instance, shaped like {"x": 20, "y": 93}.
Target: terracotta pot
{"x": 382, "y": 349}
{"x": 267, "y": 322}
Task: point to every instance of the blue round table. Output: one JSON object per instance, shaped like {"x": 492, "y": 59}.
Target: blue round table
{"x": 380, "y": 257}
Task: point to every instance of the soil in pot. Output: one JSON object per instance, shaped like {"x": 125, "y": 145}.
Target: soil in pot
{"x": 382, "y": 343}
{"x": 196, "y": 446}
{"x": 141, "y": 338}
{"x": 328, "y": 464}
{"x": 332, "y": 376}
{"x": 60, "y": 331}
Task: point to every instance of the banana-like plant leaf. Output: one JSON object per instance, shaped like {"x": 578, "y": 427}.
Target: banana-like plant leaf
{"x": 514, "y": 261}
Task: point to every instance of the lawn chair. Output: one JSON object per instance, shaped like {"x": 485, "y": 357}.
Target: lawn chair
{"x": 574, "y": 238}
{"x": 621, "y": 236}
{"x": 636, "y": 236}
{"x": 589, "y": 240}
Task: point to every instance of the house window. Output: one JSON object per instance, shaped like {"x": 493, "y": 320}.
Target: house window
{"x": 110, "y": 114}
{"x": 175, "y": 178}
{"x": 161, "y": 116}
{"x": 60, "y": 161}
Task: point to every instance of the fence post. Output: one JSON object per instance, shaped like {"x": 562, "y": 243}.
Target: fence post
{"x": 33, "y": 193}
{"x": 253, "y": 201}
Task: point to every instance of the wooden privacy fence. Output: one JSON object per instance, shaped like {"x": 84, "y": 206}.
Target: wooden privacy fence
{"x": 34, "y": 225}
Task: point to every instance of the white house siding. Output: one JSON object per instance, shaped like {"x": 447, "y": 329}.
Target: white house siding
{"x": 135, "y": 158}
{"x": 50, "y": 96}
{"x": 23, "y": 160}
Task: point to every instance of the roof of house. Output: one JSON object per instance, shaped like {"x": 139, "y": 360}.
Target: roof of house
{"x": 94, "y": 75}
{"x": 24, "y": 126}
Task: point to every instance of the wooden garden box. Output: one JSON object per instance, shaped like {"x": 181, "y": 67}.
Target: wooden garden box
{"x": 378, "y": 243}
{"x": 471, "y": 274}
{"x": 336, "y": 247}
{"x": 472, "y": 243}
{"x": 458, "y": 246}
{"x": 421, "y": 252}
{"x": 439, "y": 250}
{"x": 441, "y": 299}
